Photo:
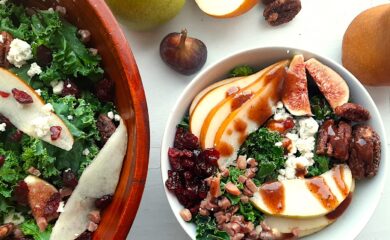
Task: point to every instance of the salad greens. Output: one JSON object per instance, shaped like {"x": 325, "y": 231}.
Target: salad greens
{"x": 71, "y": 59}
{"x": 241, "y": 71}
{"x": 260, "y": 145}
{"x": 206, "y": 229}
{"x": 321, "y": 108}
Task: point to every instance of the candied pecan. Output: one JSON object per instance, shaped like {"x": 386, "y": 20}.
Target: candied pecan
{"x": 6, "y": 230}
{"x": 326, "y": 129}
{"x": 281, "y": 11}
{"x": 338, "y": 145}
{"x": 85, "y": 35}
{"x": 5, "y": 46}
{"x": 70, "y": 88}
{"x": 365, "y": 154}
{"x": 50, "y": 209}
{"x": 266, "y": 2}
{"x": 44, "y": 56}
{"x": 55, "y": 132}
{"x": 106, "y": 127}
{"x": 105, "y": 90}
{"x": 353, "y": 112}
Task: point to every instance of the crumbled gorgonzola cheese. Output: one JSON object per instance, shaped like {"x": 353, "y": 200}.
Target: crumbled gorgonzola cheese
{"x": 41, "y": 126}
{"x": 57, "y": 86}
{"x": 86, "y": 152}
{"x": 35, "y": 69}
{"x": 19, "y": 53}
{"x": 2, "y": 127}
{"x": 110, "y": 115}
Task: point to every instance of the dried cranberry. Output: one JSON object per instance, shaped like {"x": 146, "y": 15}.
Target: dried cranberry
{"x": 106, "y": 127}
{"x": 21, "y": 96}
{"x": 4, "y": 94}
{"x": 204, "y": 170}
{"x": 85, "y": 236}
{"x": 20, "y": 193}
{"x": 69, "y": 179}
{"x": 187, "y": 175}
{"x": 174, "y": 181}
{"x": 203, "y": 189}
{"x": 103, "y": 202}
{"x": 2, "y": 160}
{"x": 52, "y": 205}
{"x": 16, "y": 136}
{"x": 44, "y": 56}
{"x": 184, "y": 139}
{"x": 195, "y": 209}
{"x": 288, "y": 123}
{"x": 174, "y": 156}
{"x": 211, "y": 155}
{"x": 55, "y": 132}
{"x": 105, "y": 90}
{"x": 70, "y": 89}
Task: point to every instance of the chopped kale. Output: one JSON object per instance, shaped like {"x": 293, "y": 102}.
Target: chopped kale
{"x": 320, "y": 166}
{"x": 241, "y": 71}
{"x": 206, "y": 229}
{"x": 321, "y": 108}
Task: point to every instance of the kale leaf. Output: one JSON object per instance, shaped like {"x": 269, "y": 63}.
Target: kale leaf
{"x": 321, "y": 108}
{"x": 241, "y": 71}
{"x": 206, "y": 229}
{"x": 30, "y": 228}
{"x": 260, "y": 145}
{"x": 320, "y": 166}
{"x": 250, "y": 213}
{"x": 185, "y": 123}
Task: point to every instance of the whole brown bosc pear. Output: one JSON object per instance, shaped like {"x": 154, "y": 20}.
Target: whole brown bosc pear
{"x": 366, "y": 46}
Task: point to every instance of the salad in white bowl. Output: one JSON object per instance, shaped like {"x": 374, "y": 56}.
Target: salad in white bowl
{"x": 273, "y": 153}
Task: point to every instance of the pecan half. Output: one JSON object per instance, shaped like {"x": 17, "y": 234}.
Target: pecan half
{"x": 353, "y": 112}
{"x": 5, "y": 45}
{"x": 365, "y": 154}
{"x": 6, "y": 230}
{"x": 281, "y": 11}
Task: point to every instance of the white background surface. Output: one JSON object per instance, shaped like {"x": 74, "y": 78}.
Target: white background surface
{"x": 319, "y": 27}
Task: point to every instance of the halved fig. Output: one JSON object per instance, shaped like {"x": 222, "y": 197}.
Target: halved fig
{"x": 295, "y": 94}
{"x": 43, "y": 199}
{"x": 330, "y": 83}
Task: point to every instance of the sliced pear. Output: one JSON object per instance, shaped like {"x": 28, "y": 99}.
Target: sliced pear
{"x": 99, "y": 178}
{"x": 226, "y": 8}
{"x": 305, "y": 198}
{"x": 249, "y": 117}
{"x": 34, "y": 119}
{"x": 302, "y": 226}
{"x": 214, "y": 96}
{"x": 223, "y": 109}
{"x": 208, "y": 89}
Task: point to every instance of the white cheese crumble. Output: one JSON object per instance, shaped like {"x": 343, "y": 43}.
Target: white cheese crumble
{"x": 304, "y": 142}
{"x": 3, "y": 2}
{"x": 35, "y": 69}
{"x": 70, "y": 117}
{"x": 110, "y": 115}
{"x": 41, "y": 126}
{"x": 1, "y": 37}
{"x": 278, "y": 144}
{"x": 69, "y": 85}
{"x": 60, "y": 208}
{"x": 19, "y": 53}
{"x": 86, "y": 152}
{"x": 57, "y": 86}
{"x": 48, "y": 108}
{"x": 2, "y": 127}
{"x": 117, "y": 117}
{"x": 280, "y": 112}
{"x": 39, "y": 92}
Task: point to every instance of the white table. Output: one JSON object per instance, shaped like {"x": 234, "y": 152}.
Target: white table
{"x": 319, "y": 27}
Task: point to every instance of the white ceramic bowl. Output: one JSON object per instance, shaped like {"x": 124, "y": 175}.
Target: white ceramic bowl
{"x": 367, "y": 193}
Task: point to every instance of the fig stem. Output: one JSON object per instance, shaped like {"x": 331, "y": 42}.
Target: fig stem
{"x": 183, "y": 38}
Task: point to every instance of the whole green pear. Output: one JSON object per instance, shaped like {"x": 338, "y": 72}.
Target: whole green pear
{"x": 145, "y": 14}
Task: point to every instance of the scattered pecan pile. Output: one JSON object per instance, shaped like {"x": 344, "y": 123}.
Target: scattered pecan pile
{"x": 278, "y": 12}
{"x": 358, "y": 145}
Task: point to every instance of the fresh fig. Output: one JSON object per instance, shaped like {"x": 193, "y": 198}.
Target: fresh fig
{"x": 183, "y": 54}
{"x": 330, "y": 83}
{"x": 295, "y": 94}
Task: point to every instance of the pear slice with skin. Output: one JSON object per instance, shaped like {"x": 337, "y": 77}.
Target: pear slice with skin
{"x": 321, "y": 194}
{"x": 226, "y": 8}
{"x": 222, "y": 110}
{"x": 25, "y": 117}
{"x": 249, "y": 117}
{"x": 207, "y": 90}
{"x": 307, "y": 226}
{"x": 99, "y": 178}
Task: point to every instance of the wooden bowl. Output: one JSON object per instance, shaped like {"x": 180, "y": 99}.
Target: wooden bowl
{"x": 120, "y": 66}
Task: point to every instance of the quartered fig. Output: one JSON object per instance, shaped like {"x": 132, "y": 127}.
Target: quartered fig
{"x": 295, "y": 94}
{"x": 183, "y": 54}
{"x": 330, "y": 83}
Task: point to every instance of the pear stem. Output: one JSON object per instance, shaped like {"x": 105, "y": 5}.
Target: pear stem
{"x": 183, "y": 38}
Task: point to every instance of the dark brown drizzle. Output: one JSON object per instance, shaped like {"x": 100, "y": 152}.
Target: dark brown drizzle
{"x": 300, "y": 171}
{"x": 338, "y": 176}
{"x": 340, "y": 209}
{"x": 322, "y": 192}
{"x": 273, "y": 196}
{"x": 240, "y": 99}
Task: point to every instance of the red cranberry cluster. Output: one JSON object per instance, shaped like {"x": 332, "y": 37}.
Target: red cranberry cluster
{"x": 190, "y": 167}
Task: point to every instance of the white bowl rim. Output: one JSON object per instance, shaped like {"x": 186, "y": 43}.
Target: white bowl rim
{"x": 288, "y": 49}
